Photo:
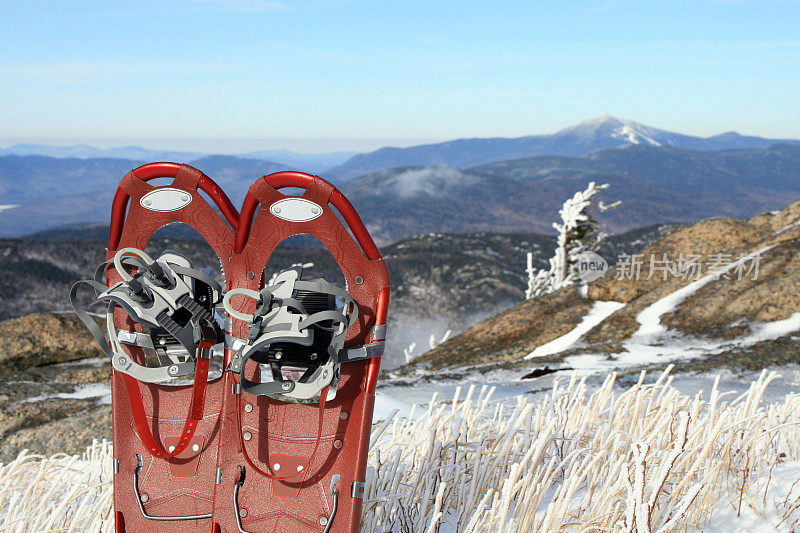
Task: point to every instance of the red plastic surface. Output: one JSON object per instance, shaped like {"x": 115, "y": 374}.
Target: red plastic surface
{"x": 165, "y": 406}
{"x": 285, "y": 432}
{"x": 166, "y": 170}
{"x": 290, "y": 429}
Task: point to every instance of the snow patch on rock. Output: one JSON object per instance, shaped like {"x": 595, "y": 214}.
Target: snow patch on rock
{"x": 599, "y": 312}
{"x": 650, "y": 318}
{"x": 100, "y": 391}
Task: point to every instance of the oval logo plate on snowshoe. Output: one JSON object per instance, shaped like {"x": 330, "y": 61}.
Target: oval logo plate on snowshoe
{"x": 295, "y": 209}
{"x": 165, "y": 200}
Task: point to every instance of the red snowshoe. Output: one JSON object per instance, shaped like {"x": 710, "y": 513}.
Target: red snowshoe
{"x": 279, "y": 443}
{"x": 301, "y": 368}
{"x": 161, "y": 337}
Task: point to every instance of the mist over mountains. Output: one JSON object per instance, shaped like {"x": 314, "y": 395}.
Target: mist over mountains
{"x": 656, "y": 184}
{"x": 460, "y": 186}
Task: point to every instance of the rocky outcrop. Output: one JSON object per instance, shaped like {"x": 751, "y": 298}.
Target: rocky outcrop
{"x": 44, "y": 338}
{"x": 54, "y": 408}
{"x": 62, "y": 426}
{"x": 725, "y": 308}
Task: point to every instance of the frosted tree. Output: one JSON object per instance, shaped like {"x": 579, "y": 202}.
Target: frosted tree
{"x": 409, "y": 352}
{"x": 432, "y": 343}
{"x": 578, "y": 232}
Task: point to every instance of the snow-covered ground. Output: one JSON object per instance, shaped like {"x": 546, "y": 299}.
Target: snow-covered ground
{"x": 766, "y": 515}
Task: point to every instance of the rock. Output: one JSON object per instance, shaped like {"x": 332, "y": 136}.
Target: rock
{"x": 777, "y": 220}
{"x": 699, "y": 239}
{"x": 542, "y": 371}
{"x": 33, "y": 416}
{"x": 45, "y": 338}
{"x": 774, "y": 295}
{"x": 62, "y": 426}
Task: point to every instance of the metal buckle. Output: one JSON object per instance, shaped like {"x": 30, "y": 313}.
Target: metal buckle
{"x": 236, "y": 509}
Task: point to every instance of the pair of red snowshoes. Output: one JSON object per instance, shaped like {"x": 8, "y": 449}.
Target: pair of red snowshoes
{"x": 276, "y": 439}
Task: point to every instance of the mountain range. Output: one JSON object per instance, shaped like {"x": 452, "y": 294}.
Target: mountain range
{"x": 317, "y": 162}
{"x": 655, "y": 184}
{"x": 597, "y": 133}
{"x": 476, "y": 184}
{"x": 39, "y": 193}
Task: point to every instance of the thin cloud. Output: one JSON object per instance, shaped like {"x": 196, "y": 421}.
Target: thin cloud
{"x": 245, "y": 6}
{"x": 744, "y": 2}
{"x": 71, "y": 71}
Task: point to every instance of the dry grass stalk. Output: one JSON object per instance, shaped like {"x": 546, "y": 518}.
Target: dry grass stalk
{"x": 644, "y": 459}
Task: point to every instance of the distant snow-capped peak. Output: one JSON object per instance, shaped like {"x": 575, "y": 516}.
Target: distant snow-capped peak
{"x": 626, "y": 130}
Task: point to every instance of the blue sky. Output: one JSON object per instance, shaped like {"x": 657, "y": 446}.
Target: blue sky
{"x": 236, "y": 75}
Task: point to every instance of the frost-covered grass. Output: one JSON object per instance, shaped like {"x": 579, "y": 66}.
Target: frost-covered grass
{"x": 647, "y": 459}
{"x": 60, "y": 493}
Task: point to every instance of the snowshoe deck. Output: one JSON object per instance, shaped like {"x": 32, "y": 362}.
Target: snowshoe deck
{"x": 300, "y": 466}
{"x": 150, "y": 487}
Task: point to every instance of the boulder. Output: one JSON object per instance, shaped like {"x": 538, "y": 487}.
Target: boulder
{"x": 45, "y": 338}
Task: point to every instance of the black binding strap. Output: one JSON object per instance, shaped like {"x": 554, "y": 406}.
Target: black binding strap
{"x": 84, "y": 317}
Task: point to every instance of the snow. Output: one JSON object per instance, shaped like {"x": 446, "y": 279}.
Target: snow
{"x": 633, "y": 136}
{"x": 625, "y": 130}
{"x": 644, "y": 350}
{"x": 759, "y": 515}
{"x": 738, "y": 382}
{"x": 650, "y": 318}
{"x": 6, "y": 207}
{"x": 94, "y": 362}
{"x": 386, "y": 405}
{"x": 765, "y": 331}
{"x": 638, "y": 354}
{"x": 571, "y": 246}
{"x": 100, "y": 391}
{"x": 599, "y": 312}
{"x": 787, "y": 227}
